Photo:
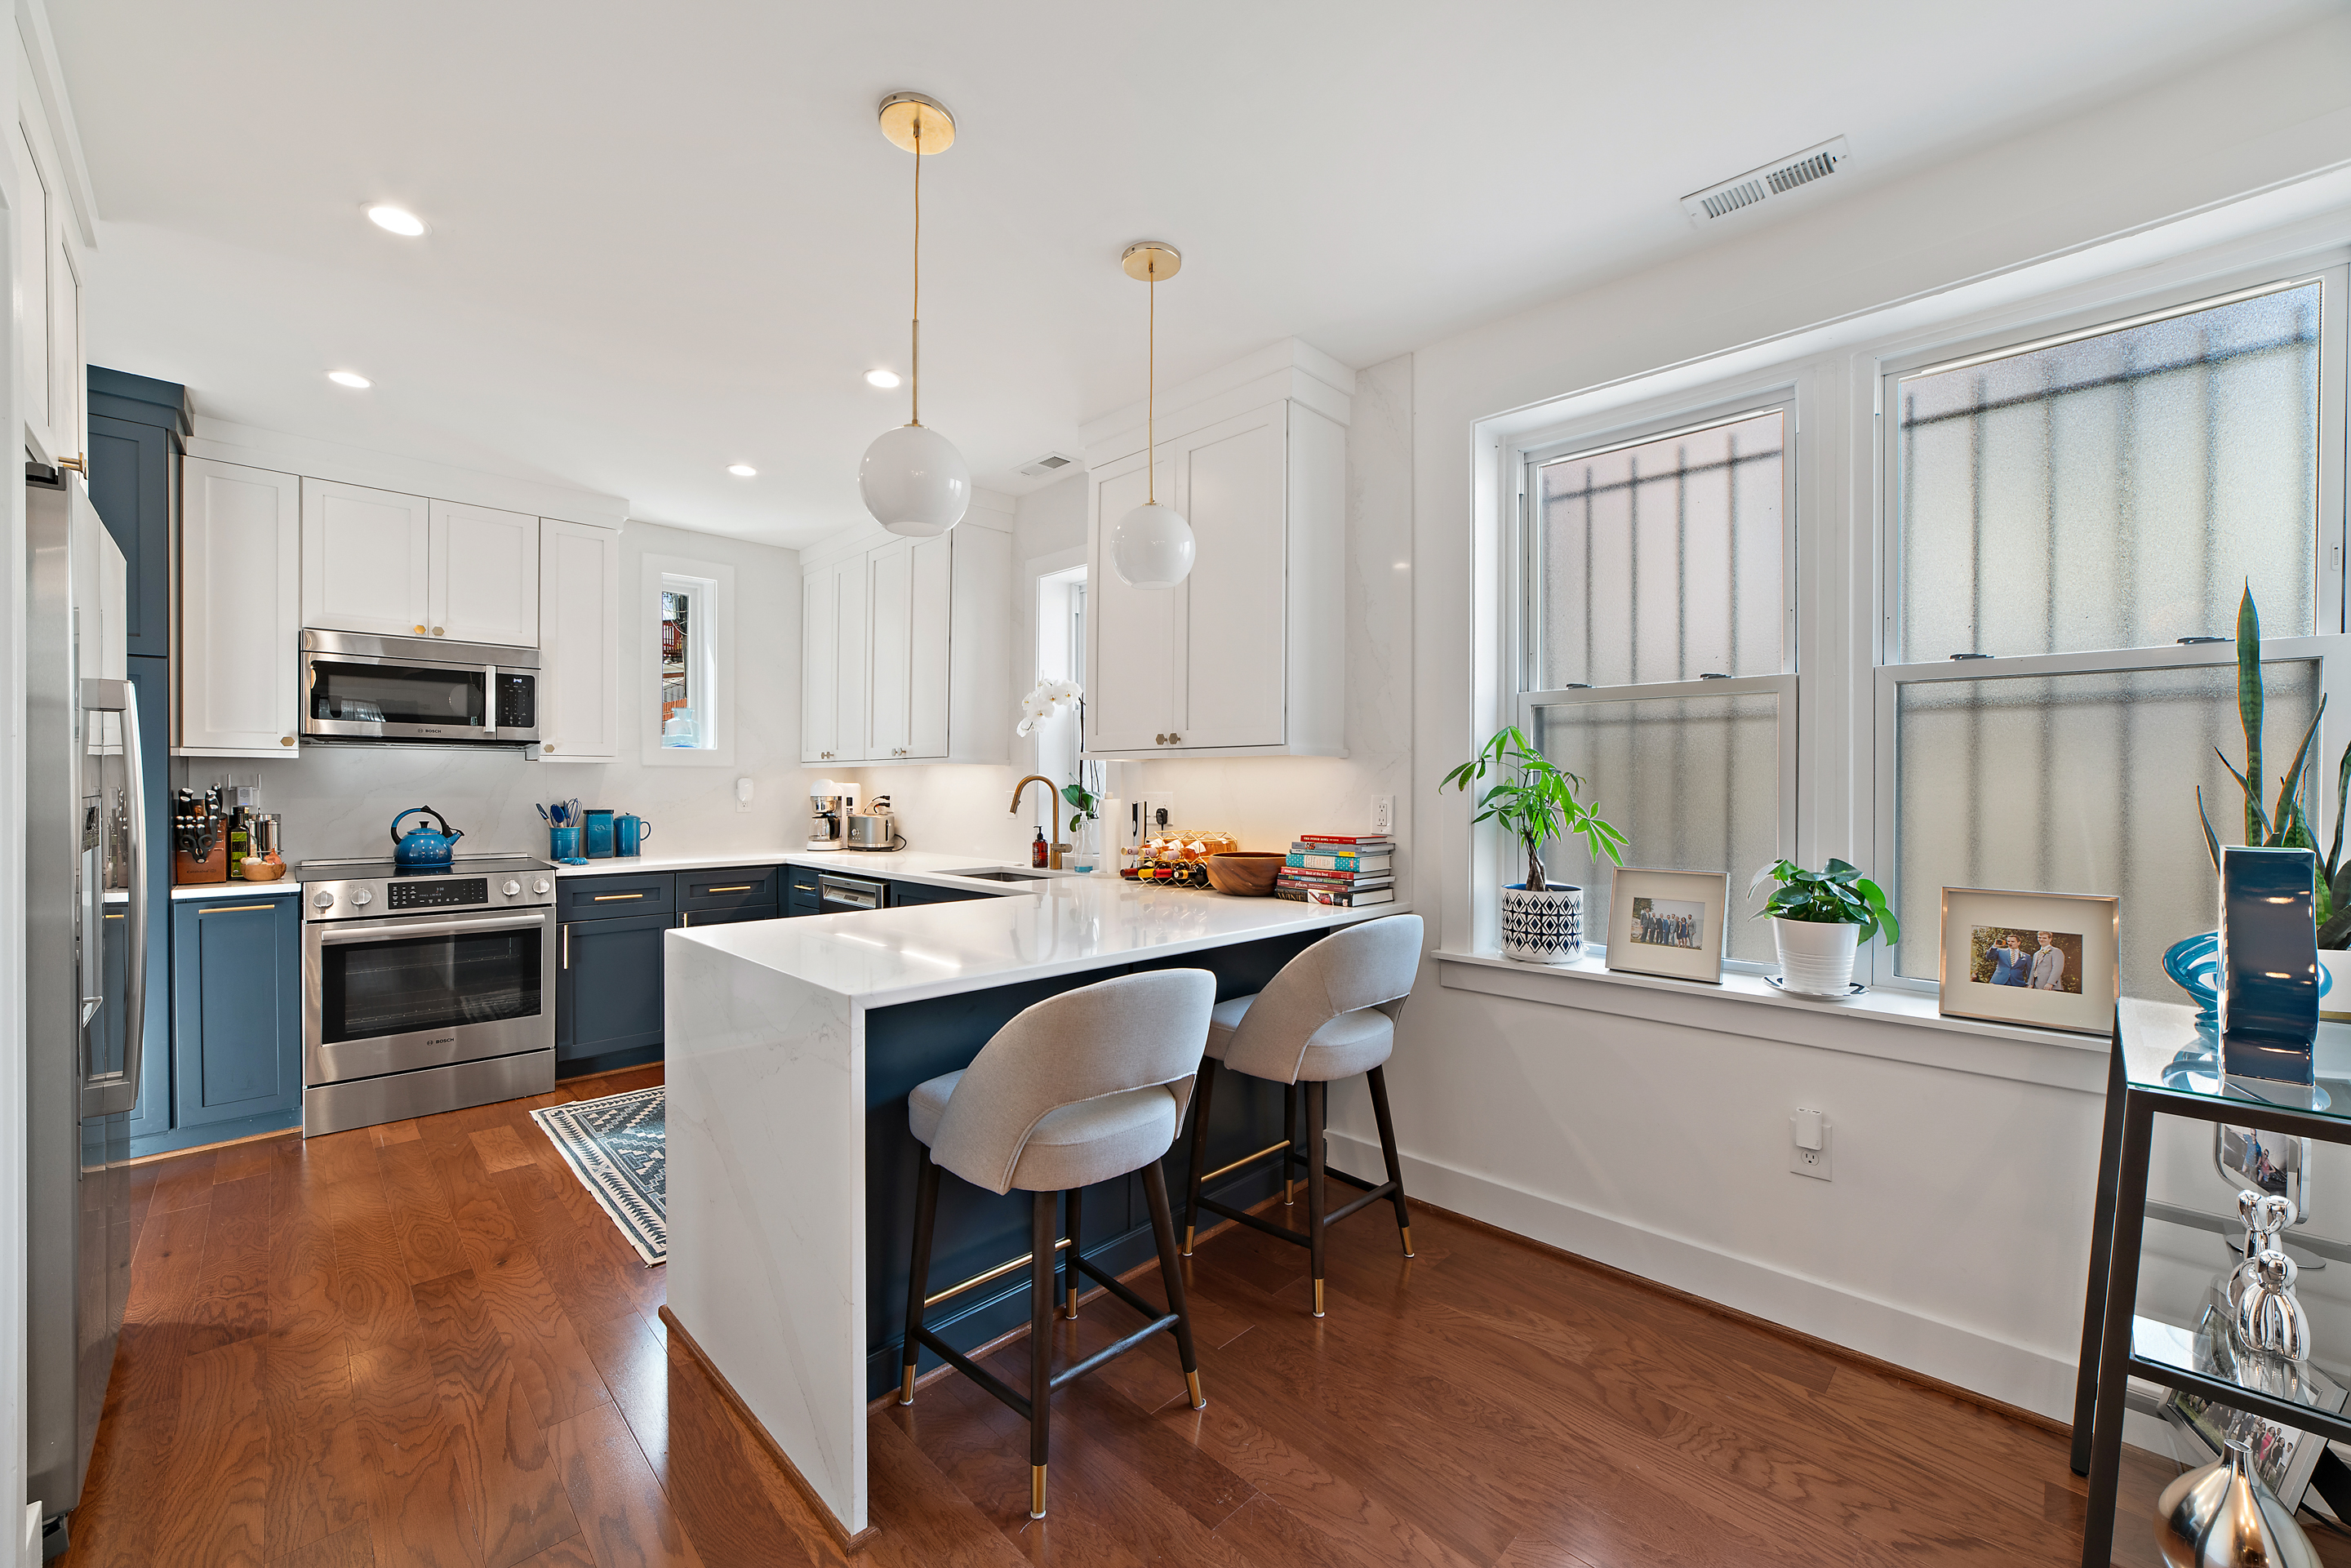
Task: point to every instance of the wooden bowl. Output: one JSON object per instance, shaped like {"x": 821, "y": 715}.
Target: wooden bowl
{"x": 1245, "y": 874}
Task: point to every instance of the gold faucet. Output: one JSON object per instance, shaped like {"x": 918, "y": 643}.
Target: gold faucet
{"x": 1054, "y": 847}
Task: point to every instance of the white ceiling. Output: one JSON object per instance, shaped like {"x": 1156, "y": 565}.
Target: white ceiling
{"x": 665, "y": 239}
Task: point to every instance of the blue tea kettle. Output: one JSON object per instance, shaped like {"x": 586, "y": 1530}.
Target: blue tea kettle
{"x": 422, "y": 849}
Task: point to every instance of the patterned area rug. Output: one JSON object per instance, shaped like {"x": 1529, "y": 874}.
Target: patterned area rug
{"x": 619, "y": 1149}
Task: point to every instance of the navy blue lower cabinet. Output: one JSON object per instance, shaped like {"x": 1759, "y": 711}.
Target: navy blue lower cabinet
{"x": 696, "y": 919}
{"x": 800, "y": 893}
{"x": 236, "y": 1009}
{"x": 607, "y": 985}
{"x": 902, "y": 894}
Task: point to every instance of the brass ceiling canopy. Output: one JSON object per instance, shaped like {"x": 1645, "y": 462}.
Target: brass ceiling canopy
{"x": 906, "y": 113}
{"x": 1150, "y": 260}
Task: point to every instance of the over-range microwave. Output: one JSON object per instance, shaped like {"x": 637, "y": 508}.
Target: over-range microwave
{"x": 421, "y": 691}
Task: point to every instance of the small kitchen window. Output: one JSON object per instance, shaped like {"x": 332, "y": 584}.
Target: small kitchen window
{"x": 688, "y": 659}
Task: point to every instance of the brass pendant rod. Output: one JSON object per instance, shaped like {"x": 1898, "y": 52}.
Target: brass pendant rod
{"x": 1151, "y": 398}
{"x": 914, "y": 410}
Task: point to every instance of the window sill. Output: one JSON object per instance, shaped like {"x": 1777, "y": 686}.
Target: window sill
{"x": 1891, "y": 1025}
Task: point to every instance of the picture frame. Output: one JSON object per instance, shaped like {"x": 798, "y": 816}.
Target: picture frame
{"x": 2284, "y": 1457}
{"x": 1668, "y": 922}
{"x": 2041, "y": 960}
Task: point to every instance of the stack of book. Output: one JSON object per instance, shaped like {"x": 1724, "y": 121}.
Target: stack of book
{"x": 1351, "y": 871}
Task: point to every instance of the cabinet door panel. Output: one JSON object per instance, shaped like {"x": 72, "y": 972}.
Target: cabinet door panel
{"x": 236, "y": 1014}
{"x": 1232, "y": 480}
{"x": 366, "y": 559}
{"x": 694, "y": 919}
{"x": 848, "y": 684}
{"x": 33, "y": 379}
{"x": 607, "y": 993}
{"x": 131, "y": 486}
{"x": 484, "y": 575}
{"x": 820, "y": 672}
{"x": 929, "y": 630}
{"x": 67, "y": 377}
{"x": 890, "y": 581}
{"x": 240, "y": 611}
{"x": 579, "y": 642}
{"x": 1135, "y": 662}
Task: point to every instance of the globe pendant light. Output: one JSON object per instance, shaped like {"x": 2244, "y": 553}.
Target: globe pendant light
{"x": 1151, "y": 547}
{"x": 912, "y": 480}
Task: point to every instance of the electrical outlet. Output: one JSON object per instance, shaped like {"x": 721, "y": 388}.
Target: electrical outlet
{"x": 742, "y": 794}
{"x": 1810, "y": 1145}
{"x": 1384, "y": 813}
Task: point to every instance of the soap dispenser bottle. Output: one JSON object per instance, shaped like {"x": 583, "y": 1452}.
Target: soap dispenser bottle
{"x": 1036, "y": 851}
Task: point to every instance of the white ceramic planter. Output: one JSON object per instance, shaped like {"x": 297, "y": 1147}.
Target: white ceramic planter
{"x": 1815, "y": 956}
{"x": 1544, "y": 927}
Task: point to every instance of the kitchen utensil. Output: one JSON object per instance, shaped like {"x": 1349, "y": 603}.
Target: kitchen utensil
{"x": 563, "y": 845}
{"x": 628, "y": 832}
{"x": 420, "y": 848}
{"x": 543, "y": 816}
{"x": 1245, "y": 874}
{"x": 596, "y": 840}
{"x": 2222, "y": 1514}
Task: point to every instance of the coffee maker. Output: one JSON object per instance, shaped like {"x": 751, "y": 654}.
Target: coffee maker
{"x": 830, "y": 805}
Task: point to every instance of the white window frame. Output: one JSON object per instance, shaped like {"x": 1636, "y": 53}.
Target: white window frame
{"x": 1523, "y": 577}
{"x": 711, "y": 650}
{"x": 1878, "y": 764}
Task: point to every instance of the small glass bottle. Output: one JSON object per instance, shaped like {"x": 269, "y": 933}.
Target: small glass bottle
{"x": 1036, "y": 851}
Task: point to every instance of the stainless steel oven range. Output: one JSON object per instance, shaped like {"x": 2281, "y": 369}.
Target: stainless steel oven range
{"x": 424, "y": 990}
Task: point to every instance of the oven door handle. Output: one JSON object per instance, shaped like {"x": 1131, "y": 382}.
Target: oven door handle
{"x": 355, "y": 932}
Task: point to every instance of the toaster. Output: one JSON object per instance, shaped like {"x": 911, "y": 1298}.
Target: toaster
{"x": 877, "y": 832}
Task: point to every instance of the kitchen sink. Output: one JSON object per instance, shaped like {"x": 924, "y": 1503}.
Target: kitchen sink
{"x": 992, "y": 874}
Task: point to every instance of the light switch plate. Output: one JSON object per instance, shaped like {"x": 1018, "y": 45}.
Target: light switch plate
{"x": 1814, "y": 1163}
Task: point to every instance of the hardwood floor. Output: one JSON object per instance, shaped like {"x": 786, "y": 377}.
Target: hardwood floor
{"x": 424, "y": 1345}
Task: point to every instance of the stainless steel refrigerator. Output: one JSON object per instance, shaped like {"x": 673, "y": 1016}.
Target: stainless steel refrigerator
{"x": 85, "y": 935}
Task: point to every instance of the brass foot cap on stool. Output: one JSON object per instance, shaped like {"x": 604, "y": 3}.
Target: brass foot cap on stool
{"x": 1187, "y": 1241}
{"x": 1317, "y": 1298}
{"x": 1072, "y": 1309}
{"x": 1191, "y": 1382}
{"x": 1286, "y": 1184}
{"x": 1407, "y": 1238}
{"x": 1036, "y": 1491}
{"x": 906, "y": 1387}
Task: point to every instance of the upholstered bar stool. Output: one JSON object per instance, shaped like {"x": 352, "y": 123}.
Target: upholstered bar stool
{"x": 1081, "y": 1088}
{"x": 1329, "y": 1014}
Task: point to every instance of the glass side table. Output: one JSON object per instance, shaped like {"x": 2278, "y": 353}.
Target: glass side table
{"x": 2161, "y": 1067}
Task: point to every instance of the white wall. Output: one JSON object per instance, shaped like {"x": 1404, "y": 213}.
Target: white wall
{"x": 1267, "y": 801}
{"x": 339, "y": 801}
{"x": 1954, "y": 1238}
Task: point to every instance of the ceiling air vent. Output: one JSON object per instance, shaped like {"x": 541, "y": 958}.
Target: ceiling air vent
{"x": 1051, "y": 463}
{"x": 1775, "y": 179}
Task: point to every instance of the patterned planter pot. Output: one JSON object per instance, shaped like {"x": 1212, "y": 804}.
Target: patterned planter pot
{"x": 1544, "y": 927}
{"x": 1815, "y": 956}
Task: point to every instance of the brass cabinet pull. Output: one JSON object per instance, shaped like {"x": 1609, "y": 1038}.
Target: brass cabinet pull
{"x": 685, "y": 920}
{"x": 420, "y": 631}
{"x": 233, "y": 909}
{"x": 566, "y": 946}
{"x": 437, "y": 630}
{"x": 743, "y": 887}
{"x": 611, "y": 897}
{"x": 118, "y": 917}
{"x": 285, "y": 740}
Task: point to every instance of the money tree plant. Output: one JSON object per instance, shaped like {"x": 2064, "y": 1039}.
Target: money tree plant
{"x": 1535, "y": 802}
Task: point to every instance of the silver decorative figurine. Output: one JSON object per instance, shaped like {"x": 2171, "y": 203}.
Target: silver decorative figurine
{"x": 2266, "y": 1216}
{"x": 2269, "y": 1316}
{"x": 2224, "y": 1517}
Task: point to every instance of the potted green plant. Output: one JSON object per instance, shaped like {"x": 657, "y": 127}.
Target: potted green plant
{"x": 1536, "y": 802}
{"x": 1819, "y": 921}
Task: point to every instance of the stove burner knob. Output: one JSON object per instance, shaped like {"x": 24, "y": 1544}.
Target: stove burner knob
{"x": 322, "y": 899}
{"x": 362, "y": 897}
{"x": 512, "y": 888}
{"x": 542, "y": 886}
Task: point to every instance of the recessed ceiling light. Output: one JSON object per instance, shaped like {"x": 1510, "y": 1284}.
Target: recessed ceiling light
{"x": 399, "y": 220}
{"x": 349, "y": 379}
{"x": 885, "y": 379}
{"x": 741, "y": 470}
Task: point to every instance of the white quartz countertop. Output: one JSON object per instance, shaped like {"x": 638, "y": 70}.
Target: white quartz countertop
{"x": 277, "y": 889}
{"x": 1065, "y": 926}
{"x": 896, "y": 865}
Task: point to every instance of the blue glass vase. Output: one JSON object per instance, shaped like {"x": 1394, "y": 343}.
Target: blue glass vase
{"x": 2194, "y": 965}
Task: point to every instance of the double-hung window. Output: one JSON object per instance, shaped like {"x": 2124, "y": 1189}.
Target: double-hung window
{"x": 2069, "y": 521}
{"x": 1655, "y": 643}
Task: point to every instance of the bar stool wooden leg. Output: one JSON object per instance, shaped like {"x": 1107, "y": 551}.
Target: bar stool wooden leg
{"x": 1040, "y": 1343}
{"x": 1201, "y": 1092}
{"x": 1171, "y": 1275}
{"x": 1289, "y": 1136}
{"x": 1379, "y": 1081}
{"x": 1317, "y": 1198}
{"x": 918, "y": 1277}
{"x": 1073, "y": 1198}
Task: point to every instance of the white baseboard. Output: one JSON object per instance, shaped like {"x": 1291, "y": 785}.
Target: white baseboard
{"x": 2021, "y": 1376}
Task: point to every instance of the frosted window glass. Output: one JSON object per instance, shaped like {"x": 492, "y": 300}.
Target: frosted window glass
{"x": 1662, "y": 561}
{"x": 1694, "y": 781}
{"x": 2080, "y": 784}
{"x": 2118, "y": 491}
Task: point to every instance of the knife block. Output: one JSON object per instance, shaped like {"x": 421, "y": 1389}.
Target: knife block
{"x": 188, "y": 870}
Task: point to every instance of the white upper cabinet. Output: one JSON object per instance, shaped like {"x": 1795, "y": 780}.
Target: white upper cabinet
{"x": 50, "y": 371}
{"x": 366, "y": 558}
{"x": 238, "y": 675}
{"x": 391, "y": 565}
{"x": 579, "y": 623}
{"x": 483, "y": 580}
{"x": 906, "y": 648}
{"x": 1247, "y": 655}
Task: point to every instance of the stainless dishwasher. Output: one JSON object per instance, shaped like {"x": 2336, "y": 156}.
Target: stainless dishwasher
{"x": 838, "y": 894}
